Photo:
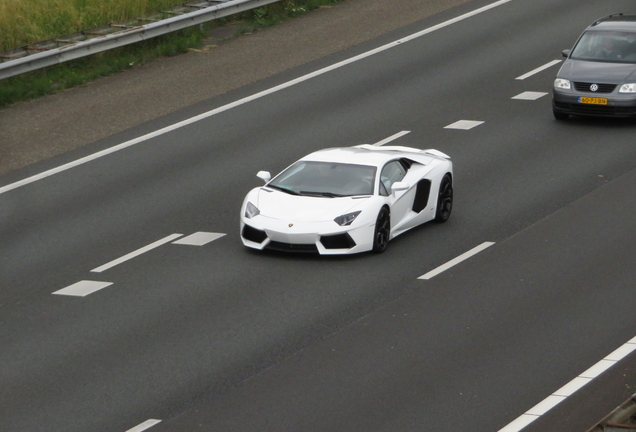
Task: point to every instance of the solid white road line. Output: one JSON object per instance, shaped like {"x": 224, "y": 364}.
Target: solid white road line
{"x": 243, "y": 101}
{"x": 529, "y": 95}
{"x": 83, "y": 288}
{"x": 391, "y": 138}
{"x": 198, "y": 239}
{"x": 145, "y": 425}
{"x": 539, "y": 69}
{"x": 136, "y": 253}
{"x": 464, "y": 124}
{"x": 454, "y": 262}
{"x": 567, "y": 390}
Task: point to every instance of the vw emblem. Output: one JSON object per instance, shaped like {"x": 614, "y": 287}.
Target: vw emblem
{"x": 291, "y": 225}
{"x": 594, "y": 87}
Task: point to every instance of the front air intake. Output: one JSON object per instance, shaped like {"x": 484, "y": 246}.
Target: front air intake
{"x": 254, "y": 235}
{"x": 338, "y": 241}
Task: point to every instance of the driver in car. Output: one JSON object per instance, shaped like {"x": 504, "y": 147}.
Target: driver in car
{"x": 608, "y": 49}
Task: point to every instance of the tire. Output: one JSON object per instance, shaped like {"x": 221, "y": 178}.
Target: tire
{"x": 444, "y": 199}
{"x": 559, "y": 115}
{"x": 382, "y": 232}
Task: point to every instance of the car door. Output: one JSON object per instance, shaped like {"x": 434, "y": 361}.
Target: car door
{"x": 400, "y": 202}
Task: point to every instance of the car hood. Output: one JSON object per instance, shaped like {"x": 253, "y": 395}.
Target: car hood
{"x": 281, "y": 205}
{"x": 598, "y": 72}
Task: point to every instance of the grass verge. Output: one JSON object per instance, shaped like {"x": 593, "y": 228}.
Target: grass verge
{"x": 78, "y": 72}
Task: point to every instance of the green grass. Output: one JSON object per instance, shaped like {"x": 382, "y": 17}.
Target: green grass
{"x": 24, "y": 22}
{"x": 74, "y": 73}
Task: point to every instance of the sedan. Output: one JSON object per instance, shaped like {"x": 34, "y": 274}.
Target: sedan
{"x": 348, "y": 200}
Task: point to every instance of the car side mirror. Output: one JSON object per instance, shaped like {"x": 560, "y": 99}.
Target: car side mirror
{"x": 264, "y": 175}
{"x": 566, "y": 53}
{"x": 399, "y": 186}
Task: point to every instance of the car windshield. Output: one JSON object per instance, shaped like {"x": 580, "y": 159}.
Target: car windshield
{"x": 326, "y": 179}
{"x": 606, "y": 46}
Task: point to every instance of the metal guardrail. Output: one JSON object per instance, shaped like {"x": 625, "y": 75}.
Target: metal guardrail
{"x": 622, "y": 419}
{"x": 85, "y": 43}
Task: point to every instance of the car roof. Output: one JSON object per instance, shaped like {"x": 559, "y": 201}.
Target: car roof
{"x": 616, "y": 22}
{"x": 372, "y": 155}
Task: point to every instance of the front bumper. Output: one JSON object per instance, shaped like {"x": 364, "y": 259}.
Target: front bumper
{"x": 618, "y": 105}
{"x": 325, "y": 238}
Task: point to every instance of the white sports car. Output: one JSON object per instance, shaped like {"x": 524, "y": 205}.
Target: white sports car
{"x": 348, "y": 200}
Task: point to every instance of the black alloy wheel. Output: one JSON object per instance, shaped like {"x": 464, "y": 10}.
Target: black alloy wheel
{"x": 382, "y": 231}
{"x": 444, "y": 200}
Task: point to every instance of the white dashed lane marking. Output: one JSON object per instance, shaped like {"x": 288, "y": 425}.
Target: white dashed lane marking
{"x": 86, "y": 287}
{"x": 391, "y": 138}
{"x": 83, "y": 288}
{"x": 539, "y": 69}
{"x": 454, "y": 262}
{"x": 198, "y": 239}
{"x": 136, "y": 253}
{"x": 145, "y": 425}
{"x": 464, "y": 124}
{"x": 529, "y": 95}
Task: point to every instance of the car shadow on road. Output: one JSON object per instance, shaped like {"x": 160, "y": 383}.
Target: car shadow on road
{"x": 599, "y": 122}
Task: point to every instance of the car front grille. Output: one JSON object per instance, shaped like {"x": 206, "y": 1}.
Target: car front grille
{"x": 602, "y": 88}
{"x": 292, "y": 247}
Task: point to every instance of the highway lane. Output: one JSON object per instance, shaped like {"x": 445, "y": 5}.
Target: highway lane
{"x": 438, "y": 358}
{"x": 182, "y": 323}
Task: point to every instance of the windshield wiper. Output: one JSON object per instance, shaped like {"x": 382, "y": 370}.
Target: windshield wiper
{"x": 322, "y": 194}
{"x": 282, "y": 189}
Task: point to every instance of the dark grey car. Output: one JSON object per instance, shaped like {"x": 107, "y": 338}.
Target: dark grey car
{"x": 598, "y": 77}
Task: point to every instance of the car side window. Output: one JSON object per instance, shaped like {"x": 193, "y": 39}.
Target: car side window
{"x": 392, "y": 172}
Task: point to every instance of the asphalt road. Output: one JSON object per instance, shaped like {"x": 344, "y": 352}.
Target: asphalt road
{"x": 53, "y": 125}
{"x": 215, "y": 337}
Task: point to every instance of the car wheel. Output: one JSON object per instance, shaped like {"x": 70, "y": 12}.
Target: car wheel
{"x": 559, "y": 115}
{"x": 382, "y": 231}
{"x": 444, "y": 199}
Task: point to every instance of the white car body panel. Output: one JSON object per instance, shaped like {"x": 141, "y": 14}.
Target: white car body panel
{"x": 276, "y": 205}
{"x": 288, "y": 221}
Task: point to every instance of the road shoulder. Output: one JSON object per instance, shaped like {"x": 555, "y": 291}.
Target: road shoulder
{"x": 52, "y": 125}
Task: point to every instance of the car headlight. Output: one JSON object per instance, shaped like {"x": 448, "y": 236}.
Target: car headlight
{"x": 345, "y": 220}
{"x": 628, "y": 88}
{"x": 251, "y": 210}
{"x": 563, "y": 84}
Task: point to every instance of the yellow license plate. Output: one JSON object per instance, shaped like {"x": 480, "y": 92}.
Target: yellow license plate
{"x": 594, "y": 101}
